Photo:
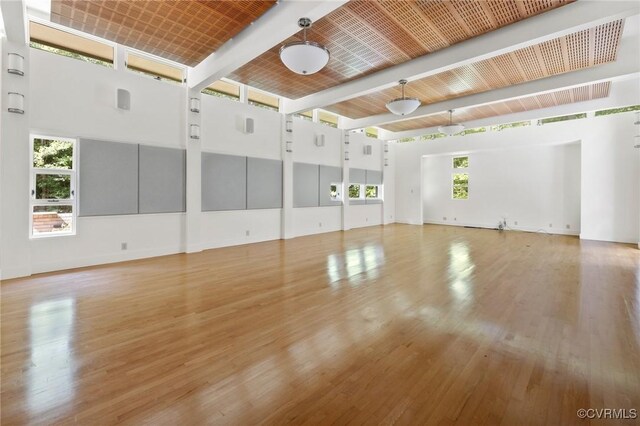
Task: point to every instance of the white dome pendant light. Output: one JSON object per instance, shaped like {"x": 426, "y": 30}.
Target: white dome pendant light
{"x": 451, "y": 128}
{"x": 304, "y": 57}
{"x": 403, "y": 105}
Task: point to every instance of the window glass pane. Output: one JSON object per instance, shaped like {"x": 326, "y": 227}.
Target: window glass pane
{"x": 371, "y": 191}
{"x": 52, "y": 154}
{"x": 460, "y": 186}
{"x": 63, "y": 43}
{"x": 223, "y": 89}
{"x": 617, "y": 110}
{"x": 307, "y": 115}
{"x": 156, "y": 69}
{"x": 56, "y": 187}
{"x": 52, "y": 220}
{"x": 562, "y": 118}
{"x": 354, "y": 191}
{"x": 328, "y": 118}
{"x": 460, "y": 162}
{"x": 333, "y": 191}
{"x": 263, "y": 100}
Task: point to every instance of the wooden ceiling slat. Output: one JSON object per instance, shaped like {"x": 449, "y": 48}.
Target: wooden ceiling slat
{"x": 528, "y": 103}
{"x": 182, "y": 31}
{"x": 553, "y": 57}
{"x": 366, "y": 36}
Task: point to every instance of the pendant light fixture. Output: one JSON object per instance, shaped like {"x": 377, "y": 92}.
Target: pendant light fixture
{"x": 304, "y": 57}
{"x": 451, "y": 128}
{"x": 403, "y": 105}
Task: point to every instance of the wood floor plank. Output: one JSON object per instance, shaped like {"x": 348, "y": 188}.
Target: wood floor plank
{"x": 389, "y": 325}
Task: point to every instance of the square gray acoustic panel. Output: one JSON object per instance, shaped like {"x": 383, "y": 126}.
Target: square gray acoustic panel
{"x": 374, "y": 177}
{"x": 329, "y": 175}
{"x": 357, "y": 176}
{"x": 224, "y": 182}
{"x": 108, "y": 180}
{"x": 306, "y": 181}
{"x": 162, "y": 178}
{"x": 264, "y": 183}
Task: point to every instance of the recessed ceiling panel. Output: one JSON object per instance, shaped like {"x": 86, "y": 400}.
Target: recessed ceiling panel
{"x": 560, "y": 97}
{"x": 569, "y": 53}
{"x": 182, "y": 31}
{"x": 366, "y": 36}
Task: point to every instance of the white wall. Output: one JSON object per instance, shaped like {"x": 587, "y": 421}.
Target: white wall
{"x": 358, "y": 216}
{"x": 67, "y": 97}
{"x": 77, "y": 99}
{"x": 610, "y": 172}
{"x": 531, "y": 187}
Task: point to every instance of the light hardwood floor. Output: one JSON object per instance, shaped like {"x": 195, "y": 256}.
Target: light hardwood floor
{"x": 398, "y": 324}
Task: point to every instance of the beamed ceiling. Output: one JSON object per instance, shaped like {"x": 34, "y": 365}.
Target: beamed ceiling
{"x": 559, "y": 97}
{"x": 569, "y": 53}
{"x": 182, "y": 31}
{"x": 366, "y": 36}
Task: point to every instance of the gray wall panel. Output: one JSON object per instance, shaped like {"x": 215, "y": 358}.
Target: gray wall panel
{"x": 374, "y": 177}
{"x": 306, "y": 180}
{"x": 162, "y": 178}
{"x": 373, "y": 201}
{"x": 329, "y": 175}
{"x": 108, "y": 179}
{"x": 264, "y": 183}
{"x": 357, "y": 176}
{"x": 356, "y": 202}
{"x": 224, "y": 182}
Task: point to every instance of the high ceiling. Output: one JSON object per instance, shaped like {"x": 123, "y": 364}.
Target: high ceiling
{"x": 373, "y": 38}
{"x": 559, "y": 97}
{"x": 182, "y": 31}
{"x": 366, "y": 36}
{"x": 569, "y": 53}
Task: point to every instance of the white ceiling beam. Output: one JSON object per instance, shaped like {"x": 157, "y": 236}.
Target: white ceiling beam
{"x": 626, "y": 66}
{"x": 277, "y": 24}
{"x": 14, "y": 15}
{"x": 537, "y": 29}
{"x": 623, "y": 93}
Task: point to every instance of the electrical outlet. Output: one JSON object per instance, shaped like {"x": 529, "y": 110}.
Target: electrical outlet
{"x": 551, "y": 225}
{"x": 444, "y": 218}
{"x": 455, "y": 218}
{"x": 568, "y": 226}
{"x": 246, "y": 232}
{"x": 366, "y": 219}
{"x": 124, "y": 246}
{"x": 320, "y": 224}
{"x": 515, "y": 222}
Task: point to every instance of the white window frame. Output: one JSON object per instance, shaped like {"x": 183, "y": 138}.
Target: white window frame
{"x": 338, "y": 186}
{"x": 34, "y": 171}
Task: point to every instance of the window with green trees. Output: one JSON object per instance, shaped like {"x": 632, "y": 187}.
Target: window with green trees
{"x": 617, "y": 110}
{"x": 460, "y": 162}
{"x": 53, "y": 181}
{"x": 354, "y": 190}
{"x": 460, "y": 186}
{"x": 371, "y": 191}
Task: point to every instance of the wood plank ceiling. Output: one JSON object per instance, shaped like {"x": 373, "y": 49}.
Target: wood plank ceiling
{"x": 572, "y": 52}
{"x": 560, "y": 97}
{"x": 367, "y": 36}
{"x": 182, "y": 31}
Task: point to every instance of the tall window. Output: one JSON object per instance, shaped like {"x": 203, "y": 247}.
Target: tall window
{"x": 53, "y": 186}
{"x": 460, "y": 187}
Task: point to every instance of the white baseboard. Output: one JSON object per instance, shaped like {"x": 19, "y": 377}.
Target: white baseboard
{"x": 10, "y": 273}
{"x": 555, "y": 231}
{"x": 104, "y": 259}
